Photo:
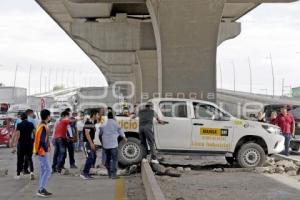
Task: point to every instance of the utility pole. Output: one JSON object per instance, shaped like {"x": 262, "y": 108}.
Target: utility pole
{"x": 234, "y": 80}
{"x": 41, "y": 72}
{"x": 273, "y": 77}
{"x": 15, "y": 80}
{"x": 282, "y": 92}
{"x": 29, "y": 78}
{"x": 250, "y": 70}
{"x": 49, "y": 81}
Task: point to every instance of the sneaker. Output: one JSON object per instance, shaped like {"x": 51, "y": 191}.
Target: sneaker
{"x": 43, "y": 193}
{"x": 17, "y": 177}
{"x": 154, "y": 161}
{"x": 47, "y": 193}
{"x": 90, "y": 176}
{"x": 31, "y": 176}
{"x": 84, "y": 177}
{"x": 73, "y": 167}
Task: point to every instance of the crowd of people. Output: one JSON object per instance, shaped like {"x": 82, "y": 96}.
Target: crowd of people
{"x": 74, "y": 132}
{"x": 285, "y": 121}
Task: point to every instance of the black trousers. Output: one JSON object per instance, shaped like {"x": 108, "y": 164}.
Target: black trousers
{"x": 147, "y": 136}
{"x": 71, "y": 151}
{"x": 24, "y": 154}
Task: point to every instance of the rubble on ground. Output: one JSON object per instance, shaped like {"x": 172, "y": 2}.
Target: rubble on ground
{"x": 162, "y": 170}
{"x": 122, "y": 172}
{"x": 277, "y": 166}
{"x": 3, "y": 172}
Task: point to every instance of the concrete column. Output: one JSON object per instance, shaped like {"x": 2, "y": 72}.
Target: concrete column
{"x": 147, "y": 60}
{"x": 186, "y": 34}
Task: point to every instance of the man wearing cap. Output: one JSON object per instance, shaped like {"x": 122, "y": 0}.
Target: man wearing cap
{"x": 286, "y": 122}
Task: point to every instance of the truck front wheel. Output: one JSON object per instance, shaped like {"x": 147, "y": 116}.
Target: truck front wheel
{"x": 251, "y": 155}
{"x": 131, "y": 152}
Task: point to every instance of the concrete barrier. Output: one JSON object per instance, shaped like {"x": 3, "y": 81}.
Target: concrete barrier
{"x": 153, "y": 191}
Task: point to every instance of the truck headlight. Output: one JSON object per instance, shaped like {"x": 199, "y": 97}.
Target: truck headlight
{"x": 271, "y": 129}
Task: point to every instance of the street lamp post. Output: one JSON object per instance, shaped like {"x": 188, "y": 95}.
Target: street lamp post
{"x": 250, "y": 70}
{"x": 29, "y": 78}
{"x": 273, "y": 77}
{"x": 233, "y": 67}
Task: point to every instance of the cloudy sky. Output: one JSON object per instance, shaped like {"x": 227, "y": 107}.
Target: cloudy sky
{"x": 29, "y": 37}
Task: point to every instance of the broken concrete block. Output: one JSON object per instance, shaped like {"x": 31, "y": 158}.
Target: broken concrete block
{"x": 292, "y": 173}
{"x": 3, "y": 172}
{"x": 173, "y": 172}
{"x": 133, "y": 169}
{"x": 159, "y": 169}
{"x": 187, "y": 169}
{"x": 279, "y": 170}
{"x": 180, "y": 169}
{"x": 218, "y": 170}
{"x": 269, "y": 162}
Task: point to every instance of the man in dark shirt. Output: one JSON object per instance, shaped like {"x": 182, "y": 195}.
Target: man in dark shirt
{"x": 23, "y": 141}
{"x": 89, "y": 146}
{"x": 146, "y": 117}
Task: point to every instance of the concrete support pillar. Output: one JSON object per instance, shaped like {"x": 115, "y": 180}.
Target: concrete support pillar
{"x": 186, "y": 34}
{"x": 147, "y": 60}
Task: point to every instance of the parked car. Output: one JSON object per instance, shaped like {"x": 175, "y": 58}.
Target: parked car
{"x": 6, "y": 130}
{"x": 295, "y": 111}
{"x": 195, "y": 127}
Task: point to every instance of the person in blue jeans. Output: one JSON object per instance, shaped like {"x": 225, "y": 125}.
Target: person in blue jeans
{"x": 89, "y": 146}
{"x": 41, "y": 148}
{"x": 286, "y": 122}
{"x": 109, "y": 134}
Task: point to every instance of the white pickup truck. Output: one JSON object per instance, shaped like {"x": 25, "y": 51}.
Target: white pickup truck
{"x": 200, "y": 127}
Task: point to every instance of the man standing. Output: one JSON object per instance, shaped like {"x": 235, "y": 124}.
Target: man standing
{"x": 89, "y": 146}
{"x": 79, "y": 127}
{"x": 41, "y": 149}
{"x": 23, "y": 139}
{"x": 146, "y": 117}
{"x": 30, "y": 118}
{"x": 60, "y": 139}
{"x": 109, "y": 134}
{"x": 286, "y": 122}
{"x": 71, "y": 137}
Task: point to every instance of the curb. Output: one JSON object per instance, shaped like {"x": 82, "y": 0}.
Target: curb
{"x": 153, "y": 191}
{"x": 282, "y": 157}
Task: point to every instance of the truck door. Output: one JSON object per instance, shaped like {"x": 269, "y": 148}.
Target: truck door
{"x": 176, "y": 132}
{"x": 212, "y": 129}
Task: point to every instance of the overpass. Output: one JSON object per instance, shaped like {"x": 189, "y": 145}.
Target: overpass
{"x": 165, "y": 47}
{"x": 234, "y": 102}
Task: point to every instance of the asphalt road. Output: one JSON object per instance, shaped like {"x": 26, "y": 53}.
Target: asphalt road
{"x": 63, "y": 187}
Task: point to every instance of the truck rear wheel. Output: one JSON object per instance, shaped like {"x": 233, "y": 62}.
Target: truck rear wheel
{"x": 131, "y": 152}
{"x": 251, "y": 155}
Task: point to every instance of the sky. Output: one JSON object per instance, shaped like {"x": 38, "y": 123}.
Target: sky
{"x": 29, "y": 37}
